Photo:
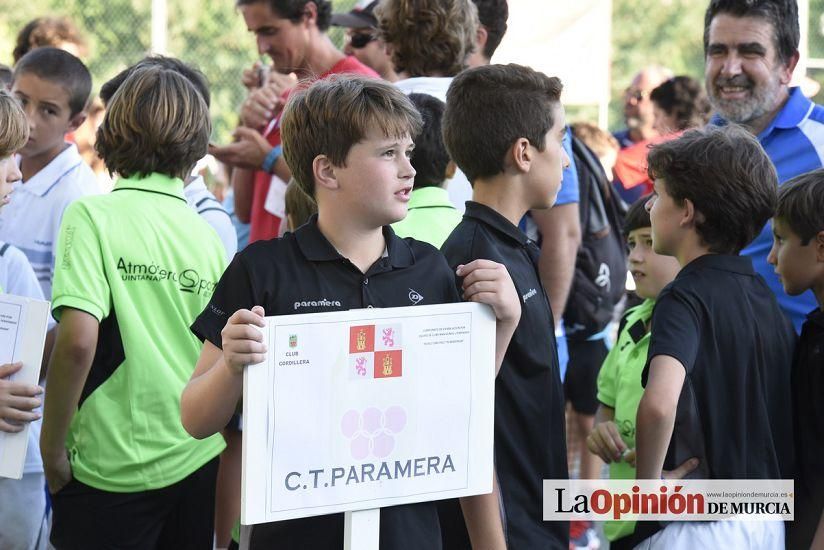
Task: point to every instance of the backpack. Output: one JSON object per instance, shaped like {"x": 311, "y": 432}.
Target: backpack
{"x": 601, "y": 264}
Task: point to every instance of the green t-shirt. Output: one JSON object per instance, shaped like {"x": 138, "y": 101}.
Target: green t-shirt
{"x": 431, "y": 217}
{"x": 619, "y": 387}
{"x": 145, "y": 265}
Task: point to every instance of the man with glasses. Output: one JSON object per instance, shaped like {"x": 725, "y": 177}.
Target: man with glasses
{"x": 638, "y": 114}
{"x": 362, "y": 40}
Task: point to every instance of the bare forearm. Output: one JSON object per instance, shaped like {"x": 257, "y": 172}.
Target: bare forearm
{"x": 654, "y": 430}
{"x": 482, "y": 515}
{"x": 66, "y": 377}
{"x": 503, "y": 336}
{"x": 209, "y": 400}
{"x": 243, "y": 183}
{"x": 818, "y": 539}
{"x": 561, "y": 232}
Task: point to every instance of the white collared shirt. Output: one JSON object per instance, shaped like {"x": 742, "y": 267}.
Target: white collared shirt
{"x": 31, "y": 220}
{"x": 202, "y": 201}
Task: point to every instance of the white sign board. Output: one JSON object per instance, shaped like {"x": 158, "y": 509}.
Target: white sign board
{"x": 368, "y": 408}
{"x": 23, "y": 324}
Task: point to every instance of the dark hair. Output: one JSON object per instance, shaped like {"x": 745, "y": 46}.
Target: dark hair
{"x": 801, "y": 204}
{"x": 492, "y": 15}
{"x": 429, "y": 158}
{"x": 293, "y": 10}
{"x": 194, "y": 75}
{"x": 427, "y": 37}
{"x": 684, "y": 98}
{"x": 488, "y": 108}
{"x": 47, "y": 31}
{"x": 156, "y": 121}
{"x": 61, "y": 68}
{"x": 782, "y": 15}
{"x": 727, "y": 176}
{"x": 333, "y": 114}
{"x": 637, "y": 216}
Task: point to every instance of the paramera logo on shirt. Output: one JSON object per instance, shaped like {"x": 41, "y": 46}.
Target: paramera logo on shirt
{"x": 188, "y": 280}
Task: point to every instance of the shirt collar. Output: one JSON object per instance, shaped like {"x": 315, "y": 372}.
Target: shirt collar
{"x": 317, "y": 248}
{"x": 795, "y": 110}
{"x": 724, "y": 262}
{"x": 430, "y": 197}
{"x": 496, "y": 221}
{"x": 153, "y": 183}
{"x": 44, "y": 180}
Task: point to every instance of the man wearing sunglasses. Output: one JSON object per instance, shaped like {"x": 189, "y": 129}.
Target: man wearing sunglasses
{"x": 638, "y": 113}
{"x": 362, "y": 40}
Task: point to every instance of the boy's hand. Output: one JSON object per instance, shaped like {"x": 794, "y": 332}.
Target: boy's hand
{"x": 17, "y": 401}
{"x": 681, "y": 471}
{"x": 488, "y": 282}
{"x": 58, "y": 471}
{"x": 242, "y": 342}
{"x": 605, "y": 442}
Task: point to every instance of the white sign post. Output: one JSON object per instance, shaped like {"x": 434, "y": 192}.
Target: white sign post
{"x": 358, "y": 410}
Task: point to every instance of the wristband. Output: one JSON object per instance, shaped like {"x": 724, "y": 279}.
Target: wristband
{"x": 271, "y": 158}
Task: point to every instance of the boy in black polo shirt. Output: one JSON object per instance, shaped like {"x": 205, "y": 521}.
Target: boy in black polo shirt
{"x": 798, "y": 257}
{"x": 348, "y": 142}
{"x": 503, "y": 127}
{"x": 718, "y": 369}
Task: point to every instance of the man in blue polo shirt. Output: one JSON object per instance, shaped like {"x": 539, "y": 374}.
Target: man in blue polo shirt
{"x": 751, "y": 49}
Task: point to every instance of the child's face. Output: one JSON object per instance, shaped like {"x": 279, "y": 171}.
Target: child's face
{"x": 651, "y": 271}
{"x": 376, "y": 183}
{"x": 798, "y": 266}
{"x": 548, "y": 165}
{"x": 665, "y": 215}
{"x": 46, "y": 105}
{"x": 9, "y": 173}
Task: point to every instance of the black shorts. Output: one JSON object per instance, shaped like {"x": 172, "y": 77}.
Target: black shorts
{"x": 581, "y": 381}
{"x": 180, "y": 516}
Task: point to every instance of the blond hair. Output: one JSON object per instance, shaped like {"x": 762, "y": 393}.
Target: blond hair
{"x": 299, "y": 205}
{"x": 14, "y": 128}
{"x": 333, "y": 114}
{"x": 157, "y": 121}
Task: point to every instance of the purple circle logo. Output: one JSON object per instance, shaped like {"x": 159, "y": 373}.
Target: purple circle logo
{"x": 372, "y": 431}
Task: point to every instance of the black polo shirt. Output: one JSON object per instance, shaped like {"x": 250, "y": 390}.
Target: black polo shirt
{"x": 303, "y": 273}
{"x": 722, "y": 322}
{"x": 530, "y": 443}
{"x": 808, "y": 419}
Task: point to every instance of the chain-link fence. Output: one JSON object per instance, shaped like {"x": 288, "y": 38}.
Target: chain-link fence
{"x": 209, "y": 34}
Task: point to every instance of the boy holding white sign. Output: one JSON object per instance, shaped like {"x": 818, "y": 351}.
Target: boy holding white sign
{"x": 503, "y": 126}
{"x": 347, "y": 142}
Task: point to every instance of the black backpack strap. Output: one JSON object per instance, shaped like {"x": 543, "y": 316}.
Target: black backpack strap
{"x": 4, "y": 248}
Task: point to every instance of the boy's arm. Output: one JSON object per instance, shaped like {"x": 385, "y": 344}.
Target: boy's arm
{"x": 482, "y": 514}
{"x": 656, "y": 415}
{"x": 69, "y": 367}
{"x": 818, "y": 539}
{"x": 209, "y": 399}
{"x": 488, "y": 282}
{"x": 561, "y": 226}
{"x": 604, "y": 439}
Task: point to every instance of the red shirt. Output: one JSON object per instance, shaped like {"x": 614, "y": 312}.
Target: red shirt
{"x": 264, "y": 225}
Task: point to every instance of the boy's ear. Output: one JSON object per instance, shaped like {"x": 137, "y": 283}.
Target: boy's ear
{"x": 519, "y": 156}
{"x": 76, "y": 121}
{"x": 324, "y": 172}
{"x": 818, "y": 242}
{"x": 690, "y": 215}
{"x": 451, "y": 168}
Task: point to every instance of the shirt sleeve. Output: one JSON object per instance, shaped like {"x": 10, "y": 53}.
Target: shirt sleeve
{"x": 79, "y": 277}
{"x": 234, "y": 291}
{"x": 569, "y": 192}
{"x": 222, "y": 224}
{"x": 675, "y": 331}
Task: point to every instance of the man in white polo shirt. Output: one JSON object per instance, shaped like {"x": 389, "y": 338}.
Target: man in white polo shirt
{"x": 53, "y": 88}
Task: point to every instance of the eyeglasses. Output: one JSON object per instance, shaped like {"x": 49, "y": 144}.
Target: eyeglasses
{"x": 359, "y": 40}
{"x": 637, "y": 95}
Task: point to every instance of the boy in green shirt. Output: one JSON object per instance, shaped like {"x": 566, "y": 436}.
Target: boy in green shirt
{"x": 619, "y": 381}
{"x": 133, "y": 269}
